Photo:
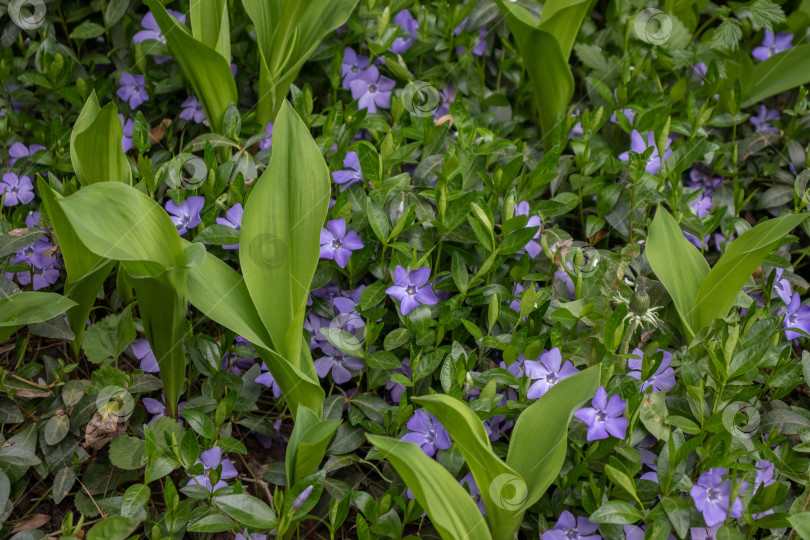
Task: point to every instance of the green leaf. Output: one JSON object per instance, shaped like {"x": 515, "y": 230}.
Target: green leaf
{"x": 677, "y": 509}
{"x": 107, "y": 339}
{"x": 537, "y": 453}
{"x": 95, "y": 145}
{"x": 725, "y": 281}
{"x": 307, "y": 445}
{"x": 502, "y": 489}
{"x": 62, "y": 484}
{"x": 212, "y": 523}
{"x": 801, "y": 524}
{"x": 617, "y": 512}
{"x": 210, "y": 25}
{"x": 779, "y": 73}
{"x": 448, "y": 505}
{"x": 128, "y": 453}
{"x": 22, "y": 238}
{"x": 87, "y": 30}
{"x": 247, "y": 510}
{"x": 135, "y": 497}
{"x": 677, "y": 264}
{"x": 24, "y": 308}
{"x": 113, "y": 528}
{"x": 56, "y": 429}
{"x": 206, "y": 69}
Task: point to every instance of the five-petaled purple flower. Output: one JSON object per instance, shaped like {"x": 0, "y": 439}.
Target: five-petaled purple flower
{"x": 712, "y": 496}
{"x": 372, "y": 90}
{"x": 662, "y": 380}
{"x": 132, "y": 89}
{"x": 232, "y": 219}
{"x": 192, "y": 110}
{"x": 19, "y": 150}
{"x": 765, "y": 472}
{"x": 605, "y": 418}
{"x": 352, "y": 174}
{"x": 158, "y": 407}
{"x": 187, "y": 215}
{"x": 411, "y": 289}
{"x": 213, "y": 462}
{"x": 427, "y": 432}
{"x": 143, "y": 352}
{"x": 772, "y": 44}
{"x": 762, "y": 121}
{"x": 151, "y": 30}
{"x": 704, "y": 533}
{"x": 405, "y": 20}
{"x": 796, "y": 316}
{"x": 16, "y": 189}
{"x": 547, "y": 372}
{"x": 639, "y": 145}
{"x": 337, "y": 244}
{"x": 570, "y": 528}
{"x": 353, "y": 66}
{"x": 337, "y": 363}
{"x": 522, "y": 209}
{"x": 126, "y": 138}
{"x": 702, "y": 205}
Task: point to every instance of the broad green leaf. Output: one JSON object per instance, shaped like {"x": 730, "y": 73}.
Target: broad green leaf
{"x": 95, "y": 145}
{"x": 448, "y": 505}
{"x": 801, "y": 524}
{"x": 210, "y": 25}
{"x": 677, "y": 264}
{"x": 279, "y": 243}
{"x": 24, "y": 308}
{"x": 247, "y": 510}
{"x": 11, "y": 243}
{"x": 107, "y": 338}
{"x": 779, "y": 73}
{"x": 134, "y": 498}
{"x": 112, "y": 528}
{"x": 617, "y": 512}
{"x": 502, "y": 489}
{"x": 307, "y": 445}
{"x": 725, "y": 281}
{"x": 207, "y": 70}
{"x": 539, "y": 439}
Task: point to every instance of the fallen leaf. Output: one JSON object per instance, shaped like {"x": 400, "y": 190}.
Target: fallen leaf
{"x": 34, "y": 521}
{"x": 18, "y": 232}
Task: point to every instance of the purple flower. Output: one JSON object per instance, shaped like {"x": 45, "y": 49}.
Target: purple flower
{"x": 17, "y": 189}
{"x": 662, "y": 380}
{"x": 267, "y": 379}
{"x": 448, "y": 96}
{"x": 39, "y": 255}
{"x": 781, "y": 285}
{"x": 605, "y": 417}
{"x": 158, "y": 408}
{"x": 522, "y": 209}
{"x": 353, "y": 66}
{"x": 126, "y": 138}
{"x": 796, "y": 316}
{"x": 338, "y": 363}
{"x": 233, "y": 363}
{"x": 232, "y": 219}
{"x": 187, "y": 215}
{"x": 132, "y": 89}
{"x": 700, "y": 70}
{"x": 19, "y": 150}
{"x": 405, "y": 20}
{"x": 475, "y": 493}
{"x": 772, "y": 45}
{"x": 192, "y": 111}
{"x": 638, "y": 145}
{"x": 695, "y": 241}
{"x": 765, "y": 471}
{"x": 212, "y": 462}
{"x": 712, "y": 496}
{"x": 702, "y": 533}
{"x": 299, "y": 501}
{"x": 372, "y": 90}
{"x": 761, "y": 121}
{"x": 143, "y": 352}
{"x": 352, "y": 174}
{"x": 151, "y": 30}
{"x": 251, "y": 536}
{"x": 479, "y": 47}
{"x": 570, "y": 528}
{"x": 702, "y": 206}
{"x": 650, "y": 460}
{"x": 267, "y": 142}
{"x": 427, "y": 432}
{"x": 394, "y": 387}
{"x": 547, "y": 372}
{"x": 563, "y": 277}
{"x": 337, "y": 244}
{"x": 698, "y": 178}
{"x": 411, "y": 289}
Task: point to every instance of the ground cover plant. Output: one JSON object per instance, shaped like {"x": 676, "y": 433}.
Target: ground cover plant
{"x": 384, "y": 269}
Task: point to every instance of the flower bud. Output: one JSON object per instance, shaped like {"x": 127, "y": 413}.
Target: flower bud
{"x": 639, "y": 302}
{"x": 302, "y": 498}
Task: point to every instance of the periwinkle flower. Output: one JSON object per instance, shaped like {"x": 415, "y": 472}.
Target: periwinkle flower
{"x": 126, "y": 138}
{"x": 772, "y": 44}
{"x": 266, "y": 379}
{"x": 38, "y": 254}
{"x": 192, "y": 110}
{"x": 372, "y": 90}
{"x": 705, "y": 533}
{"x": 352, "y": 174}
{"x": 479, "y": 47}
{"x": 186, "y": 215}
{"x": 604, "y": 418}
{"x": 19, "y": 150}
{"x": 475, "y": 493}
{"x": 151, "y": 30}
{"x": 700, "y": 179}
{"x": 267, "y": 142}
{"x": 143, "y": 352}
{"x": 712, "y": 496}
{"x": 782, "y": 286}
{"x": 702, "y": 206}
{"x": 532, "y": 246}
{"x": 448, "y": 96}
{"x": 406, "y": 21}
{"x": 411, "y": 289}
{"x": 158, "y": 408}
{"x": 337, "y": 244}
{"x": 132, "y": 89}
{"x": 251, "y": 536}
{"x": 337, "y": 363}
{"x": 697, "y": 242}
{"x": 302, "y": 497}
{"x": 765, "y": 473}
{"x": 796, "y": 316}
{"x": 563, "y": 277}
{"x": 353, "y": 66}
{"x": 212, "y": 461}
{"x": 761, "y": 122}
{"x": 547, "y": 372}
{"x": 427, "y": 432}
{"x": 662, "y": 380}
{"x": 394, "y": 387}
{"x": 232, "y": 219}
{"x": 570, "y": 528}
{"x": 639, "y": 145}
{"x": 16, "y": 189}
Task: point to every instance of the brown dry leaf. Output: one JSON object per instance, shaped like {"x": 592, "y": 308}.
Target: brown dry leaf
{"x": 18, "y": 232}
{"x": 159, "y": 131}
{"x": 446, "y": 118}
{"x": 32, "y": 393}
{"x": 101, "y": 429}
{"x": 34, "y": 521}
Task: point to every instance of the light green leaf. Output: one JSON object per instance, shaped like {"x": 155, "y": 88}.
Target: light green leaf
{"x": 210, "y": 25}
{"x": 779, "y": 73}
{"x": 108, "y": 338}
{"x": 307, "y": 445}
{"x": 113, "y": 528}
{"x": 95, "y": 145}
{"x": 247, "y": 510}
{"x": 801, "y": 524}
{"x": 24, "y": 308}
{"x": 617, "y": 512}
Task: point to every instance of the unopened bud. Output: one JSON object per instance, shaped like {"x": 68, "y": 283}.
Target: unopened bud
{"x": 639, "y": 302}
{"x": 302, "y": 498}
